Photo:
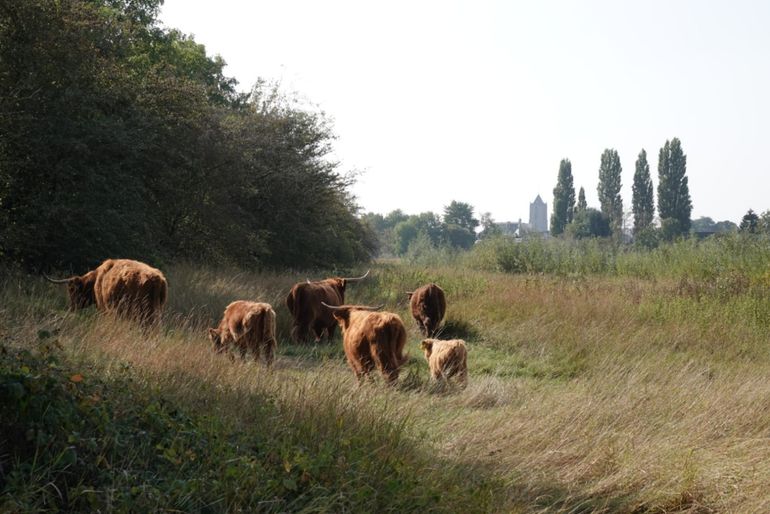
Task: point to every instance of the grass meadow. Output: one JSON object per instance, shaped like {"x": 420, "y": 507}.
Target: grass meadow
{"x": 601, "y": 380}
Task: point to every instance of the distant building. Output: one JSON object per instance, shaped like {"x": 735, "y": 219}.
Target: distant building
{"x": 537, "y": 226}
{"x": 538, "y": 216}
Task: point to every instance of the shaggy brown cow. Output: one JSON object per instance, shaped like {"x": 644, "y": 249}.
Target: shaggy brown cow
{"x": 304, "y": 303}
{"x": 371, "y": 339}
{"x": 246, "y": 326}
{"x": 123, "y": 286}
{"x": 428, "y": 308}
{"x": 447, "y": 359}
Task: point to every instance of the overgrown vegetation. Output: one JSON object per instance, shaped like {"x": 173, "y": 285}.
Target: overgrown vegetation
{"x": 635, "y": 383}
{"x": 122, "y": 138}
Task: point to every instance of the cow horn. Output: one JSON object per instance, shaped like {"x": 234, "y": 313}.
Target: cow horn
{"x": 56, "y": 280}
{"x": 357, "y": 307}
{"x": 356, "y": 279}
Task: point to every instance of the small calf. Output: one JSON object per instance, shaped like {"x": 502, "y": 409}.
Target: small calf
{"x": 246, "y": 326}
{"x": 447, "y": 359}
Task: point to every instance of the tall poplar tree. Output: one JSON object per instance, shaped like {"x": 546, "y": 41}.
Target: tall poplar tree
{"x": 674, "y": 204}
{"x": 582, "y": 205}
{"x": 563, "y": 198}
{"x": 642, "y": 201}
{"x": 609, "y": 189}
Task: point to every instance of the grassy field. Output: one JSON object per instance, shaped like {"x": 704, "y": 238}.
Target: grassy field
{"x": 644, "y": 387}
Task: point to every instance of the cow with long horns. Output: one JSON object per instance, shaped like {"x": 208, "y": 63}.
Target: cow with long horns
{"x": 428, "y": 306}
{"x": 129, "y": 288}
{"x": 371, "y": 339}
{"x": 304, "y": 303}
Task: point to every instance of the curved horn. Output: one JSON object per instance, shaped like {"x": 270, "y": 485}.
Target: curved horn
{"x": 308, "y": 281}
{"x": 357, "y": 307}
{"x": 56, "y": 280}
{"x": 356, "y": 279}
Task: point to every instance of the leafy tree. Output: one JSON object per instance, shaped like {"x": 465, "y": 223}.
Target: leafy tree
{"x": 609, "y": 190}
{"x": 674, "y": 204}
{"x": 460, "y": 214}
{"x": 488, "y": 227}
{"x": 563, "y": 198}
{"x": 706, "y": 224}
{"x": 581, "y": 204}
{"x": 589, "y": 223}
{"x": 403, "y": 234}
{"x": 764, "y": 222}
{"x": 642, "y": 201}
{"x": 749, "y": 223}
{"x": 119, "y": 138}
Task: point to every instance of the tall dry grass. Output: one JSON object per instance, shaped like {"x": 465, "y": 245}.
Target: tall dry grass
{"x": 587, "y": 393}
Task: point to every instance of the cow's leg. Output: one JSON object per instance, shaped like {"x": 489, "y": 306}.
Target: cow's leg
{"x": 330, "y": 332}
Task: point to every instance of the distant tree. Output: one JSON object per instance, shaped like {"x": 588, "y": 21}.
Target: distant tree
{"x": 749, "y": 223}
{"x": 725, "y": 226}
{"x": 488, "y": 227}
{"x": 581, "y": 204}
{"x": 563, "y": 199}
{"x": 706, "y": 224}
{"x": 459, "y": 237}
{"x": 394, "y": 217}
{"x": 674, "y": 204}
{"x": 460, "y": 225}
{"x": 403, "y": 234}
{"x": 642, "y": 201}
{"x": 609, "y": 189}
{"x": 764, "y": 222}
{"x": 461, "y": 214}
{"x": 588, "y": 223}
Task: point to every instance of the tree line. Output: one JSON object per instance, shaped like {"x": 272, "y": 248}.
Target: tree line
{"x": 120, "y": 138}
{"x": 673, "y": 198}
{"x": 455, "y": 228}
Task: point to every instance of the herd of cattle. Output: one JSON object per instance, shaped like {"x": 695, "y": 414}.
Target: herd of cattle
{"x": 371, "y": 338}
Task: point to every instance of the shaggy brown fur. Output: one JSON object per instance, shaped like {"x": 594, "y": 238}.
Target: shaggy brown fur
{"x": 247, "y": 326}
{"x": 428, "y": 305}
{"x": 304, "y": 303}
{"x": 447, "y": 359}
{"x": 372, "y": 339}
{"x": 123, "y": 286}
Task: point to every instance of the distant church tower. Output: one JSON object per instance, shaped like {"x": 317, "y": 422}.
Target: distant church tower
{"x": 538, "y": 215}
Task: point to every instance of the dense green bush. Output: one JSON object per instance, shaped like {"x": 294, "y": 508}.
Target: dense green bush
{"x": 119, "y": 138}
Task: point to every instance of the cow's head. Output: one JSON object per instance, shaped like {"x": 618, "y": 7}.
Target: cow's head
{"x": 339, "y": 283}
{"x": 215, "y": 335}
{"x": 79, "y": 288}
{"x": 427, "y": 347}
{"x": 342, "y": 312}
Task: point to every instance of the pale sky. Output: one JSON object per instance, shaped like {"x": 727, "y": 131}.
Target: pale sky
{"x": 478, "y": 101}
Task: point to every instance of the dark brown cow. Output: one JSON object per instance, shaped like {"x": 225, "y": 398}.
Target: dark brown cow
{"x": 371, "y": 339}
{"x": 428, "y": 306}
{"x": 247, "y": 326}
{"x": 123, "y": 286}
{"x": 304, "y": 303}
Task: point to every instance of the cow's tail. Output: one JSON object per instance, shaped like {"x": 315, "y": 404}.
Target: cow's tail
{"x": 268, "y": 335}
{"x": 158, "y": 294}
{"x": 387, "y": 351}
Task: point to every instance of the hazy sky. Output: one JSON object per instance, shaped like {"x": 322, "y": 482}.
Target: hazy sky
{"x": 479, "y": 101}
